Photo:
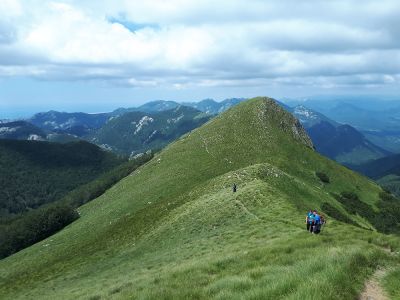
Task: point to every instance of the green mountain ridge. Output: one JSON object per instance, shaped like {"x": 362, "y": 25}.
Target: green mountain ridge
{"x": 386, "y": 171}
{"x": 113, "y": 131}
{"x": 21, "y": 130}
{"x": 174, "y": 229}
{"x": 344, "y": 144}
{"x": 208, "y": 106}
{"x": 381, "y": 167}
{"x": 136, "y": 132}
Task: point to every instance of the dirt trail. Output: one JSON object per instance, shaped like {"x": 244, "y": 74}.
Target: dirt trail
{"x": 372, "y": 289}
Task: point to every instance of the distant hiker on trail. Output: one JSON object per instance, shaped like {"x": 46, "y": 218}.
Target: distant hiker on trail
{"x": 234, "y": 188}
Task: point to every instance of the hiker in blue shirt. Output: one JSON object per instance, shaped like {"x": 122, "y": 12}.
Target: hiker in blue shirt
{"x": 317, "y": 223}
{"x": 310, "y": 220}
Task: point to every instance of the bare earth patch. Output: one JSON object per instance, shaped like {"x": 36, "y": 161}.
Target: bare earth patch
{"x": 372, "y": 289}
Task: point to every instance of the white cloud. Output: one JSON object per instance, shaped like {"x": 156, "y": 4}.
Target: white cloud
{"x": 204, "y": 43}
{"x": 10, "y": 9}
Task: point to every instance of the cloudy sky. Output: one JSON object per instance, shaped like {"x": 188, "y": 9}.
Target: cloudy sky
{"x": 98, "y": 55}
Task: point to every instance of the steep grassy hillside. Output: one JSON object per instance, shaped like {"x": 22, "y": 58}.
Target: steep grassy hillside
{"x": 35, "y": 173}
{"x": 174, "y": 229}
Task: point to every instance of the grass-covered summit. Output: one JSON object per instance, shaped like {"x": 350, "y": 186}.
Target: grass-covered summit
{"x": 174, "y": 229}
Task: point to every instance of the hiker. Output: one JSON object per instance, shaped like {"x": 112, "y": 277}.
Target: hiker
{"x": 311, "y": 221}
{"x": 308, "y": 223}
{"x": 234, "y": 188}
{"x": 323, "y": 220}
{"x": 317, "y": 223}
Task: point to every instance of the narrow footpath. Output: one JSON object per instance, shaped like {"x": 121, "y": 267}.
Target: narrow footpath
{"x": 372, "y": 289}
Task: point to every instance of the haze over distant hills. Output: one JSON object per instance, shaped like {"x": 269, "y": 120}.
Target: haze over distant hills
{"x": 377, "y": 119}
{"x": 100, "y": 128}
{"x": 342, "y": 143}
{"x": 134, "y": 132}
{"x": 116, "y": 130}
{"x": 385, "y": 171}
{"x": 209, "y": 106}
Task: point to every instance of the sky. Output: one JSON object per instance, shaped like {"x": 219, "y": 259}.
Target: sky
{"x": 99, "y": 55}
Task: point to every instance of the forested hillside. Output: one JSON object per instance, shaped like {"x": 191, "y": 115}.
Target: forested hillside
{"x": 35, "y": 225}
{"x": 35, "y": 173}
{"x": 135, "y": 132}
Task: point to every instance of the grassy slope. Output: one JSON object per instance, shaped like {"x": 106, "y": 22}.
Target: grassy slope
{"x": 174, "y": 229}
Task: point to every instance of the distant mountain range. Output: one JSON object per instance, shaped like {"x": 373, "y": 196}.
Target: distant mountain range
{"x": 378, "y": 120}
{"x": 213, "y": 107}
{"x": 149, "y": 107}
{"x": 309, "y": 117}
{"x": 344, "y": 143}
{"x": 208, "y": 106}
{"x": 379, "y": 168}
{"x": 78, "y": 124}
{"x": 386, "y": 171}
{"x": 134, "y": 132}
{"x": 116, "y": 130}
{"x": 21, "y": 130}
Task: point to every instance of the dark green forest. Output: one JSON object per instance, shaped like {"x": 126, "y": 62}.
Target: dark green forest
{"x": 35, "y": 173}
{"x": 35, "y": 225}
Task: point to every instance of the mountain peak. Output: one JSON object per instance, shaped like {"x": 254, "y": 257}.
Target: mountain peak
{"x": 254, "y": 131}
{"x": 271, "y": 114}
